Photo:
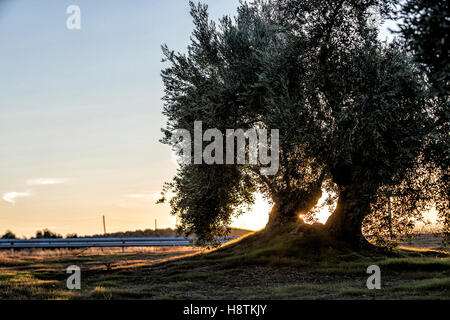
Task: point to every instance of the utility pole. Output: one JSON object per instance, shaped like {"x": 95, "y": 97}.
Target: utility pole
{"x": 156, "y": 226}
{"x": 104, "y": 225}
{"x": 389, "y": 212}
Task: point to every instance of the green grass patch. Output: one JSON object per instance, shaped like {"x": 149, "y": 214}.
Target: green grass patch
{"x": 274, "y": 264}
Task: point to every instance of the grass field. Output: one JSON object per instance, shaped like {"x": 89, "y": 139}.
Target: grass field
{"x": 184, "y": 273}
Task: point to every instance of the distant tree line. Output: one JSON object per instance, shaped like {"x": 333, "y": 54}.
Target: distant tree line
{"x": 168, "y": 232}
{"x": 40, "y": 234}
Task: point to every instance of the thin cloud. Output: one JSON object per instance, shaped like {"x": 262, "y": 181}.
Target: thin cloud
{"x": 11, "y": 196}
{"x": 149, "y": 196}
{"x": 46, "y": 181}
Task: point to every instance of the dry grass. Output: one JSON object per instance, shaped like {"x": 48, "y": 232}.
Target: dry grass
{"x": 47, "y": 253}
{"x": 281, "y": 269}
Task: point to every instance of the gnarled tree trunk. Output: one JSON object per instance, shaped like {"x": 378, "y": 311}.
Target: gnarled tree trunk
{"x": 282, "y": 212}
{"x": 346, "y": 221}
{"x": 344, "y": 224}
{"x": 288, "y": 206}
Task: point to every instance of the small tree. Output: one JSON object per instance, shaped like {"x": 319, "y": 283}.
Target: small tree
{"x": 47, "y": 234}
{"x": 9, "y": 235}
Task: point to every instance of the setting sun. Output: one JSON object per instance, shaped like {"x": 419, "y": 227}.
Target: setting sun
{"x": 256, "y": 218}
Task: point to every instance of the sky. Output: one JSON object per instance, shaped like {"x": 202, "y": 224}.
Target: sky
{"x": 80, "y": 114}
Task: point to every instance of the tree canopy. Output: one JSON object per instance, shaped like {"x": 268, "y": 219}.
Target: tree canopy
{"x": 355, "y": 116}
{"x": 425, "y": 30}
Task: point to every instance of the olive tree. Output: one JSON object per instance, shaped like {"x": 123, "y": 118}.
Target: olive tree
{"x": 352, "y": 112}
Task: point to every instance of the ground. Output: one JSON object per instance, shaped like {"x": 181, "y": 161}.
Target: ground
{"x": 184, "y": 273}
